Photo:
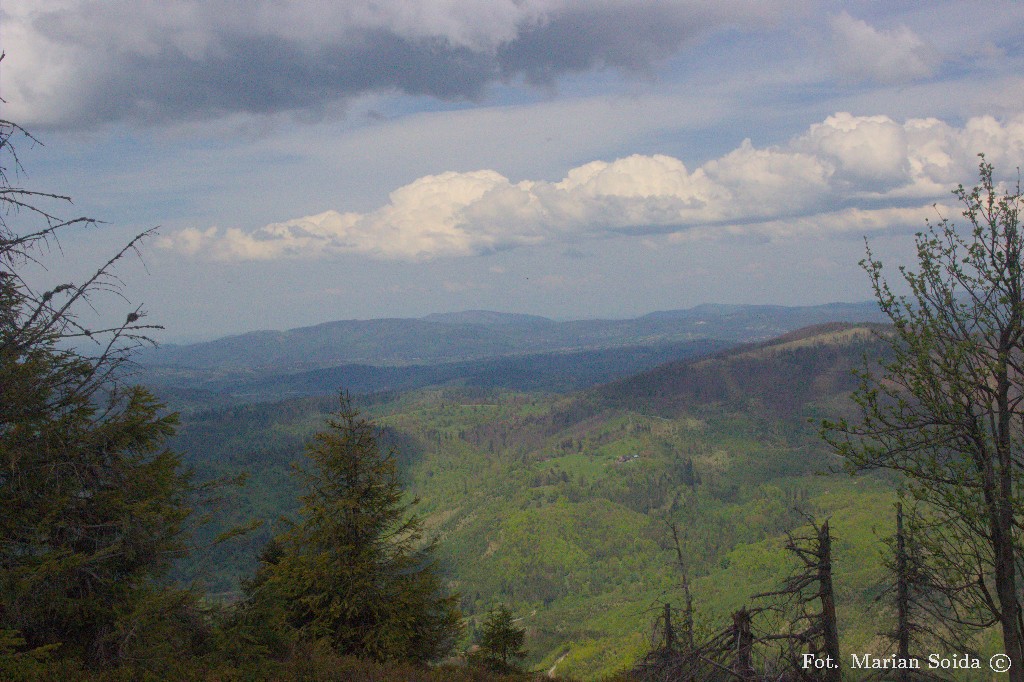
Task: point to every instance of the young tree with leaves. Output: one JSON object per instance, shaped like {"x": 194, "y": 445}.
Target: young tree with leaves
{"x": 946, "y": 411}
{"x": 354, "y": 571}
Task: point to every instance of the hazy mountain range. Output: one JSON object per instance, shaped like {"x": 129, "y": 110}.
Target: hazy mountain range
{"x": 480, "y": 334}
{"x": 471, "y": 348}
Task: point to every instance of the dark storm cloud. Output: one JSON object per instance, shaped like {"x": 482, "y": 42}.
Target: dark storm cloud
{"x": 140, "y": 61}
{"x": 268, "y": 74}
{"x": 627, "y": 37}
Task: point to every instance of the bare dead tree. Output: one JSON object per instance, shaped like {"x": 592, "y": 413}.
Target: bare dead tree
{"x": 808, "y": 597}
{"x": 687, "y": 632}
{"x": 733, "y": 653}
{"x": 921, "y": 603}
{"x": 743, "y": 638}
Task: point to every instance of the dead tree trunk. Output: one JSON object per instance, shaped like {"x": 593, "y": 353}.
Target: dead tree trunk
{"x": 809, "y": 596}
{"x": 687, "y": 634}
{"x": 743, "y": 663}
{"x": 902, "y": 597}
{"x": 670, "y": 636}
{"x": 829, "y": 627}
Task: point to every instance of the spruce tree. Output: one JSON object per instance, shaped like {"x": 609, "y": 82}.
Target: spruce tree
{"x": 94, "y": 510}
{"x": 501, "y": 642}
{"x": 354, "y": 571}
{"x": 93, "y": 506}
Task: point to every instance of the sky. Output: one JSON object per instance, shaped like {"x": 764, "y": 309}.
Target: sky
{"x": 307, "y": 161}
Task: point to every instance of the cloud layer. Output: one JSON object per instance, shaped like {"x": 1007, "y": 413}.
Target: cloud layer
{"x": 80, "y": 62}
{"x": 846, "y": 174}
{"x": 862, "y": 52}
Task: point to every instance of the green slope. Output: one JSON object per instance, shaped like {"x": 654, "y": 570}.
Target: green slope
{"x": 558, "y": 505}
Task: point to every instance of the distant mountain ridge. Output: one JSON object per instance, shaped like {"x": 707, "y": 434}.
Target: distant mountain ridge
{"x": 478, "y": 334}
{"x": 782, "y": 375}
{"x": 487, "y": 317}
{"x": 546, "y": 372}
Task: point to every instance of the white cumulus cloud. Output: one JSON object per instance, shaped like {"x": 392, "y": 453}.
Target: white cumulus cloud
{"x": 845, "y": 174}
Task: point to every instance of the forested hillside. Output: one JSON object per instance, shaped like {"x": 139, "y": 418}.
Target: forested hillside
{"x": 559, "y": 506}
{"x": 554, "y": 372}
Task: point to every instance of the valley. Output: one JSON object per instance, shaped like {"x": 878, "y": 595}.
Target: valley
{"x": 558, "y": 502}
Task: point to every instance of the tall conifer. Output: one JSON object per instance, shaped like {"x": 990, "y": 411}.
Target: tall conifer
{"x": 92, "y": 506}
{"x": 355, "y": 572}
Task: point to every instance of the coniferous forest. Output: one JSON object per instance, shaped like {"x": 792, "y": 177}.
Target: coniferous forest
{"x": 831, "y": 499}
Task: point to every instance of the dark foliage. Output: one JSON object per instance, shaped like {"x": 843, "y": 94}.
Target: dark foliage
{"x": 94, "y": 506}
{"x": 355, "y": 572}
